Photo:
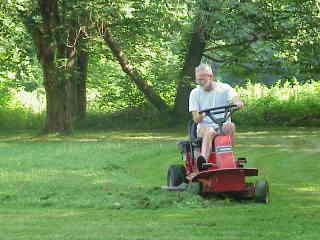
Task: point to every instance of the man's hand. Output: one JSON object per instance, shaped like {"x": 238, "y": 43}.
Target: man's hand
{"x": 237, "y": 101}
{"x": 197, "y": 117}
{"x": 240, "y": 104}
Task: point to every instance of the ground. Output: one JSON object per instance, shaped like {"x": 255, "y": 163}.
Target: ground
{"x": 106, "y": 185}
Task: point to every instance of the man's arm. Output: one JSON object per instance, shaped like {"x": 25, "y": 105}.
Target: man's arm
{"x": 194, "y": 106}
{"x": 233, "y": 97}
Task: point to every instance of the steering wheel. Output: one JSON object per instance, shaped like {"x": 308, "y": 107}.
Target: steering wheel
{"x": 213, "y": 112}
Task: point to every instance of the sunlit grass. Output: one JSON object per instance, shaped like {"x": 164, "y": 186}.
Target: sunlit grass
{"x": 106, "y": 185}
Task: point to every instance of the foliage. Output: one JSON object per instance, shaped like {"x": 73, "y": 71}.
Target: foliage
{"x": 110, "y": 88}
{"x": 15, "y": 117}
{"x": 4, "y": 95}
{"x": 288, "y": 104}
{"x": 19, "y": 70}
{"x": 16, "y": 114}
{"x": 148, "y": 33}
{"x": 143, "y": 117}
{"x": 259, "y": 40}
{"x": 284, "y": 104}
{"x": 263, "y": 40}
{"x": 116, "y": 92}
{"x": 18, "y": 63}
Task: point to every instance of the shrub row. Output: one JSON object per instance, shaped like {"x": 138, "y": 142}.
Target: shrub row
{"x": 289, "y": 104}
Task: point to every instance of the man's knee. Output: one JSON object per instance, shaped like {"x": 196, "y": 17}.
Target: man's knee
{"x": 229, "y": 128}
{"x": 206, "y": 132}
{"x": 211, "y": 133}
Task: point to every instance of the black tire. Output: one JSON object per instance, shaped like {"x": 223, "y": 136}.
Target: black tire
{"x": 200, "y": 163}
{"x": 176, "y": 175}
{"x": 262, "y": 192}
{"x": 192, "y": 130}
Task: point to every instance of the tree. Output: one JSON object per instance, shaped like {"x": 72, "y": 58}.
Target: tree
{"x": 57, "y": 32}
{"x": 238, "y": 36}
{"x": 141, "y": 27}
{"x": 148, "y": 91}
{"x": 263, "y": 36}
{"x": 196, "y": 44}
{"x": 17, "y": 67}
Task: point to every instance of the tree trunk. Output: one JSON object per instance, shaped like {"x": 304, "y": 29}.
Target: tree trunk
{"x": 59, "y": 117}
{"x": 64, "y": 66}
{"x": 193, "y": 58}
{"x": 148, "y": 91}
{"x": 81, "y": 87}
{"x": 78, "y": 68}
{"x": 59, "y": 114}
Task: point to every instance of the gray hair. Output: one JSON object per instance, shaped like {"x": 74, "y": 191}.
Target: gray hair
{"x": 204, "y": 68}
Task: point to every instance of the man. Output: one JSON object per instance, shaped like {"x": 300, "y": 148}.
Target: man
{"x": 210, "y": 94}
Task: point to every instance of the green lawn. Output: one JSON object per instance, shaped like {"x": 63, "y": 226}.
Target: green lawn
{"x": 106, "y": 185}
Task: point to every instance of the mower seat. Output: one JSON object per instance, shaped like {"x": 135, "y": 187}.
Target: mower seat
{"x": 192, "y": 132}
{"x": 184, "y": 146}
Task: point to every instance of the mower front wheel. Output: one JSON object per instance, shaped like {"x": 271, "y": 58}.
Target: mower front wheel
{"x": 176, "y": 175}
{"x": 262, "y": 192}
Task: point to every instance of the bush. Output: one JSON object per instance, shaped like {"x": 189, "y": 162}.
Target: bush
{"x": 14, "y": 115}
{"x": 289, "y": 104}
{"x": 143, "y": 117}
{"x": 4, "y": 95}
{"x": 19, "y": 118}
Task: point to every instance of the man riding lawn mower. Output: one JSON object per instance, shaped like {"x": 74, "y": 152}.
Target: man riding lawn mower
{"x": 210, "y": 166}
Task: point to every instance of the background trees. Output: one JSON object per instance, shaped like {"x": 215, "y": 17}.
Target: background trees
{"x": 132, "y": 52}
{"x": 262, "y": 39}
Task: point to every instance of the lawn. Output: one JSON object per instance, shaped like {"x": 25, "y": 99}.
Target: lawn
{"x": 106, "y": 185}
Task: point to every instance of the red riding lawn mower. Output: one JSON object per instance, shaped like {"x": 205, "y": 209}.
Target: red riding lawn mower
{"x": 222, "y": 174}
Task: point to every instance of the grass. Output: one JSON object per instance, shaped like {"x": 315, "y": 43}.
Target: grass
{"x": 105, "y": 185}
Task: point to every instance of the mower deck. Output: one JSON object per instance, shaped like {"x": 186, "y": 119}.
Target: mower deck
{"x": 227, "y": 171}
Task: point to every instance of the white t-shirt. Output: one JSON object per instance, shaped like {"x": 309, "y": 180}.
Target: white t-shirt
{"x": 200, "y": 99}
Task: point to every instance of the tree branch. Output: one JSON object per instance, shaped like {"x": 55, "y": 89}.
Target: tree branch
{"x": 147, "y": 90}
{"x": 246, "y": 42}
{"x": 213, "y": 59}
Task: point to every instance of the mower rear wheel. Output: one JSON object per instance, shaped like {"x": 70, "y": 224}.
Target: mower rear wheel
{"x": 262, "y": 192}
{"x": 176, "y": 175}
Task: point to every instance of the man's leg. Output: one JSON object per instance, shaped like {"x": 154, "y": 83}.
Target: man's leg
{"x": 207, "y": 134}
